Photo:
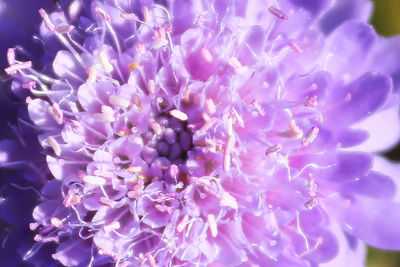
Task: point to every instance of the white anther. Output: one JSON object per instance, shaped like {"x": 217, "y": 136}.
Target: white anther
{"x": 49, "y": 25}
{"x": 213, "y": 225}
{"x": 129, "y": 16}
{"x": 146, "y": 14}
{"x": 119, "y": 101}
{"x": 182, "y": 224}
{"x": 92, "y": 74}
{"x": 56, "y": 113}
{"x": 106, "y": 115}
{"x": 134, "y": 169}
{"x": 173, "y": 171}
{"x": 235, "y": 63}
{"x": 99, "y": 11}
{"x": 156, "y": 127}
{"x": 105, "y": 174}
{"x": 94, "y": 180}
{"x": 258, "y": 107}
{"x": 178, "y": 115}
{"x": 111, "y": 227}
{"x": 151, "y": 260}
{"x": 56, "y": 222}
{"x": 11, "y": 56}
{"x": 108, "y": 202}
{"x": 74, "y": 9}
{"x": 71, "y": 199}
{"x": 210, "y": 106}
{"x": 105, "y": 63}
{"x": 227, "y": 200}
{"x": 54, "y": 145}
{"x": 206, "y": 55}
{"x": 239, "y": 119}
{"x": 18, "y": 66}
{"x": 161, "y": 42}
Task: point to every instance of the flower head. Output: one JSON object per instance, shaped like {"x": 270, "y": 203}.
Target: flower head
{"x": 210, "y": 133}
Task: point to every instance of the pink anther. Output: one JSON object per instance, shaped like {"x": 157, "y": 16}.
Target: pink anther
{"x": 102, "y": 14}
{"x": 278, "y": 13}
{"x": 29, "y": 85}
{"x": 46, "y": 19}
{"x": 19, "y": 66}
{"x": 11, "y": 56}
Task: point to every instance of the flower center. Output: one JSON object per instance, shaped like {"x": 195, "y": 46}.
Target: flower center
{"x": 167, "y": 144}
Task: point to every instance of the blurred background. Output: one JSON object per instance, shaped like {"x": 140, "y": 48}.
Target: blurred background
{"x": 386, "y": 20}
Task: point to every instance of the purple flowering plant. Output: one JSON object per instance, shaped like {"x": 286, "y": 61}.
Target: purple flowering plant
{"x": 213, "y": 133}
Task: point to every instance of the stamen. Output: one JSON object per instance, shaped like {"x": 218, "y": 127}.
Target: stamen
{"x": 182, "y": 224}
{"x": 64, "y": 29}
{"x": 49, "y": 25}
{"x": 151, "y": 260}
{"x": 45, "y": 239}
{"x": 56, "y": 113}
{"x": 29, "y": 85}
{"x": 310, "y": 136}
{"x": 94, "y": 180}
{"x": 160, "y": 43}
{"x": 156, "y": 127}
{"x": 92, "y": 74}
{"x": 278, "y": 13}
{"x": 106, "y": 115}
{"x": 54, "y": 145}
{"x": 133, "y": 66}
{"x": 108, "y": 253}
{"x": 119, "y": 101}
{"x": 111, "y": 227}
{"x": 210, "y": 106}
{"x": 238, "y": 118}
{"x": 258, "y": 107}
{"x": 71, "y": 199}
{"x": 105, "y": 174}
{"x": 105, "y": 63}
{"x": 178, "y": 115}
{"x": 124, "y": 264}
{"x": 74, "y": 9}
{"x": 134, "y": 169}
{"x": 151, "y": 86}
{"x": 294, "y": 131}
{"x": 273, "y": 149}
{"x": 108, "y": 202}
{"x": 227, "y": 161}
{"x": 206, "y": 55}
{"x": 212, "y": 224}
{"x": 173, "y": 171}
{"x": 56, "y": 222}
{"x": 19, "y": 66}
{"x": 311, "y": 101}
{"x": 102, "y": 14}
{"x": 187, "y": 94}
{"x": 33, "y": 226}
{"x": 235, "y": 63}
{"x": 129, "y": 16}
{"x": 227, "y": 200}
{"x": 295, "y": 47}
{"x": 11, "y": 56}
{"x": 145, "y": 12}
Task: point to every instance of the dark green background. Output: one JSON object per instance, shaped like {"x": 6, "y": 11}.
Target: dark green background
{"x": 386, "y": 20}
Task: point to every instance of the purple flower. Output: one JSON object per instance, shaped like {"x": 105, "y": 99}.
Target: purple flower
{"x": 213, "y": 133}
